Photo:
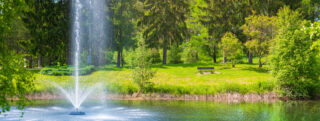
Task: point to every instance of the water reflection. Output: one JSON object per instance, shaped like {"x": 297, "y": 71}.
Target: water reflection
{"x": 173, "y": 110}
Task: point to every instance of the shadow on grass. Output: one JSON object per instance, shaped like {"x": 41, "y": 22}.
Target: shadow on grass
{"x": 183, "y": 65}
{"x": 259, "y": 70}
{"x": 113, "y": 68}
{"x": 159, "y": 66}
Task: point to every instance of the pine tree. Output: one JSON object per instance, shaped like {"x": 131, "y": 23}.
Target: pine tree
{"x": 164, "y": 23}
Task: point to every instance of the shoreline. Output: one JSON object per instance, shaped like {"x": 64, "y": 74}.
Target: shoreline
{"x": 225, "y": 97}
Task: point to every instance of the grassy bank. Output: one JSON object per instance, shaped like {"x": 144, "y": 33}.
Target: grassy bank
{"x": 174, "y": 79}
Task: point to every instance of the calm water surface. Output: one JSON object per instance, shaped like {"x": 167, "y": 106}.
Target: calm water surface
{"x": 57, "y": 110}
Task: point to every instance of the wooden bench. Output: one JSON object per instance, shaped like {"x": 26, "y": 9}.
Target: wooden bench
{"x": 206, "y": 69}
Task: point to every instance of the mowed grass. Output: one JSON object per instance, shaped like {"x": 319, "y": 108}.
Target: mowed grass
{"x": 173, "y": 78}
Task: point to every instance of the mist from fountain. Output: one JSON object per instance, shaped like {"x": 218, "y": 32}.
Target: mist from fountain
{"x": 88, "y": 40}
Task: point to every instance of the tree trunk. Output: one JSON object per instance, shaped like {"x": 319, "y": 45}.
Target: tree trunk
{"x": 224, "y": 58}
{"x": 164, "y": 61}
{"x": 214, "y": 55}
{"x": 197, "y": 56}
{"x": 250, "y": 58}
{"x": 260, "y": 64}
{"x": 30, "y": 62}
{"x": 233, "y": 64}
{"x": 118, "y": 59}
{"x": 49, "y": 60}
{"x": 39, "y": 61}
{"x": 122, "y": 59}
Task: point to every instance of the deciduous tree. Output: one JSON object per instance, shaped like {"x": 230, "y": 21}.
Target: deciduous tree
{"x": 231, "y": 47}
{"x": 259, "y": 30}
{"x": 15, "y": 80}
{"x": 293, "y": 61}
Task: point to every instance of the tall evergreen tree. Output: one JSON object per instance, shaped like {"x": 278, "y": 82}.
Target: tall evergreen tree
{"x": 123, "y": 18}
{"x": 164, "y": 23}
{"x": 47, "y": 22}
{"x": 222, "y": 16}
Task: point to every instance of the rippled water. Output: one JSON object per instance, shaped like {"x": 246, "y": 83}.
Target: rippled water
{"x": 170, "y": 110}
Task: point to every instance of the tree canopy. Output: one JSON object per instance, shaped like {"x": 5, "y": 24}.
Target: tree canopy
{"x": 259, "y": 30}
{"x": 231, "y": 47}
{"x": 164, "y": 22}
{"x": 293, "y": 62}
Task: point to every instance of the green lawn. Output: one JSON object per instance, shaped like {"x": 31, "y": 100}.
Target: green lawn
{"x": 174, "y": 79}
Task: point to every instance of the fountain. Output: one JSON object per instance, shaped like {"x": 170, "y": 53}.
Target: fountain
{"x": 89, "y": 21}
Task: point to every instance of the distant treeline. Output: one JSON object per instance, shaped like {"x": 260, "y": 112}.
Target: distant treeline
{"x": 184, "y": 30}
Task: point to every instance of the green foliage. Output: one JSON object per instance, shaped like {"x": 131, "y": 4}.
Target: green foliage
{"x": 109, "y": 57}
{"x": 231, "y": 47}
{"x": 16, "y": 81}
{"x": 189, "y": 54}
{"x": 175, "y": 54}
{"x": 66, "y": 70}
{"x": 260, "y": 30}
{"x": 198, "y": 43}
{"x": 154, "y": 56}
{"x": 164, "y": 22}
{"x": 48, "y": 25}
{"x": 123, "y": 21}
{"x": 293, "y": 62}
{"x": 142, "y": 72}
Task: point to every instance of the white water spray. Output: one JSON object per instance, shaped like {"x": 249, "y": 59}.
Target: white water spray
{"x": 89, "y": 17}
{"x": 77, "y": 52}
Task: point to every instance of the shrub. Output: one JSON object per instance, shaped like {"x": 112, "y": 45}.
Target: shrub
{"x": 175, "y": 54}
{"x": 154, "y": 56}
{"x": 109, "y": 57}
{"x": 293, "y": 62}
{"x": 66, "y": 70}
{"x": 142, "y": 71}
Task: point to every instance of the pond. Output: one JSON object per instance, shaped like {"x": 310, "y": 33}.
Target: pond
{"x": 170, "y": 110}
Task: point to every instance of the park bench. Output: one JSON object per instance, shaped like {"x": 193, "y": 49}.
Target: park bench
{"x": 206, "y": 69}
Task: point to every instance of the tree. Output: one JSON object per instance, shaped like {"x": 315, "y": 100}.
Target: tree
{"x": 198, "y": 42}
{"x": 309, "y": 9}
{"x": 164, "y": 22}
{"x": 15, "y": 80}
{"x": 48, "y": 25}
{"x": 259, "y": 29}
{"x": 313, "y": 30}
{"x": 231, "y": 47}
{"x": 142, "y": 71}
{"x": 293, "y": 61}
{"x": 222, "y": 16}
{"x": 123, "y": 19}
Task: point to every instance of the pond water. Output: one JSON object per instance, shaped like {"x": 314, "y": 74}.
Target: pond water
{"x": 170, "y": 110}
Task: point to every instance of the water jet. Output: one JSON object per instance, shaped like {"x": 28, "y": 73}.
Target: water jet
{"x": 86, "y": 14}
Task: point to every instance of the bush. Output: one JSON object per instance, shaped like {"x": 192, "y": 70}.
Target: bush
{"x": 154, "y": 56}
{"x": 109, "y": 57}
{"x": 142, "y": 72}
{"x": 190, "y": 53}
{"x": 66, "y": 70}
{"x": 293, "y": 62}
{"x": 175, "y": 54}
